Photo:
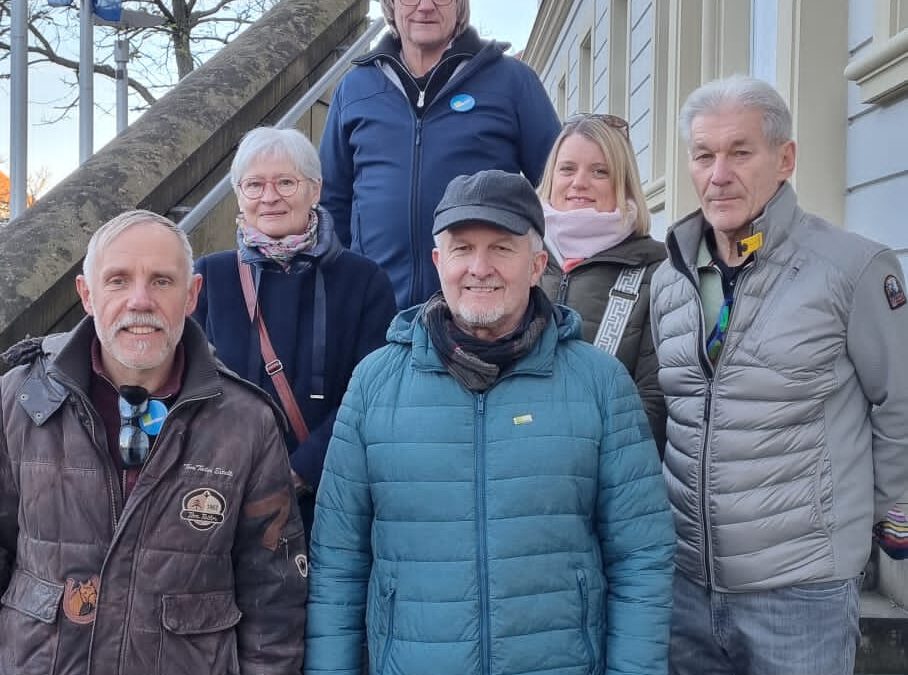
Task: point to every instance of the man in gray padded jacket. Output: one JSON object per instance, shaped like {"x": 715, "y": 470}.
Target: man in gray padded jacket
{"x": 781, "y": 343}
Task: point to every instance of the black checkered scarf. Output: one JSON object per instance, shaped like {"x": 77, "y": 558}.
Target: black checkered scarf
{"x": 477, "y": 364}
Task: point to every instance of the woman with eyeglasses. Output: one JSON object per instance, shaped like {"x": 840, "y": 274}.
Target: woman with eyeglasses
{"x": 432, "y": 101}
{"x": 291, "y": 310}
{"x": 601, "y": 257}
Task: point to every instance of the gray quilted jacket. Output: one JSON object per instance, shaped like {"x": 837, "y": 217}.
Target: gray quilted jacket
{"x": 780, "y": 459}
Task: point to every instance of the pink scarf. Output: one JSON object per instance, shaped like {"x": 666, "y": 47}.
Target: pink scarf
{"x": 282, "y": 250}
{"x": 582, "y": 233}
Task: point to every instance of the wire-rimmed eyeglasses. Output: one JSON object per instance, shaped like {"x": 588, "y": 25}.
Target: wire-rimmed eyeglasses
{"x": 140, "y": 420}
{"x": 414, "y": 3}
{"x": 254, "y": 188}
{"x": 613, "y": 121}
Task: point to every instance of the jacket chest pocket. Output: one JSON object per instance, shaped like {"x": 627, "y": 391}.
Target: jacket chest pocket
{"x": 29, "y": 612}
{"x": 198, "y": 634}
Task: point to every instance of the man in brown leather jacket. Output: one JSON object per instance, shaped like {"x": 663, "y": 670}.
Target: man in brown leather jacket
{"x": 146, "y": 516}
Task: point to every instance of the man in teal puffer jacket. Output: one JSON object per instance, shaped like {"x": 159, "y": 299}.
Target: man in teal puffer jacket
{"x": 492, "y": 501}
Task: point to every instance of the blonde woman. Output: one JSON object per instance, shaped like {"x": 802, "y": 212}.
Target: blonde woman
{"x": 597, "y": 235}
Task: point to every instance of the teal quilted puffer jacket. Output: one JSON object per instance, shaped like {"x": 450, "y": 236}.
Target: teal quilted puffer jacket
{"x": 522, "y": 530}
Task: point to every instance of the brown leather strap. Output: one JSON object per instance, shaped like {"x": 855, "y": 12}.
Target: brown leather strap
{"x": 273, "y": 365}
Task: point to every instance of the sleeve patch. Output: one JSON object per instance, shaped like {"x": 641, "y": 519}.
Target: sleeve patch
{"x": 895, "y": 294}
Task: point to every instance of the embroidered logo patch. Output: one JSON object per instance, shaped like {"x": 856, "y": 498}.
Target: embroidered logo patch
{"x": 302, "y": 564}
{"x": 523, "y": 419}
{"x": 80, "y": 600}
{"x": 203, "y": 508}
{"x": 895, "y": 294}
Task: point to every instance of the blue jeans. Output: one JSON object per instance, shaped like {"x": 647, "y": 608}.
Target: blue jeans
{"x": 810, "y": 629}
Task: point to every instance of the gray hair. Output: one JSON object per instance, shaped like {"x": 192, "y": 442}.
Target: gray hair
{"x": 460, "y": 23}
{"x": 536, "y": 242}
{"x": 273, "y": 143}
{"x": 739, "y": 91}
{"x": 114, "y": 227}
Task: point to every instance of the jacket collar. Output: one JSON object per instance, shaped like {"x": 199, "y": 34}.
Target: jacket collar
{"x": 65, "y": 365}
{"x": 408, "y": 329}
{"x": 635, "y": 251}
{"x": 490, "y": 51}
{"x": 775, "y": 223}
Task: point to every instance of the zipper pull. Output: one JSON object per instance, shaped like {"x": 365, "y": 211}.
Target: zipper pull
{"x": 421, "y": 100}
{"x": 562, "y": 288}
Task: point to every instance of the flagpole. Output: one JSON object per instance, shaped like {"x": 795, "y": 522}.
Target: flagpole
{"x": 18, "y": 128}
{"x": 86, "y": 77}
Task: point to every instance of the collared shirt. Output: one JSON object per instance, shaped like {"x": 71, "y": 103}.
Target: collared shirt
{"x": 717, "y": 291}
{"x": 104, "y": 396}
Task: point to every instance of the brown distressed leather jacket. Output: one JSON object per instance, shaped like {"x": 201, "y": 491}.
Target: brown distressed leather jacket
{"x": 202, "y": 570}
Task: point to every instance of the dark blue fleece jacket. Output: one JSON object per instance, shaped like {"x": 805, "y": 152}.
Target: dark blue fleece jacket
{"x": 385, "y": 167}
{"x": 323, "y": 316}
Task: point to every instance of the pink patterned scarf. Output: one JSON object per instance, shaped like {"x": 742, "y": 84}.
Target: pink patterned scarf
{"x": 282, "y": 250}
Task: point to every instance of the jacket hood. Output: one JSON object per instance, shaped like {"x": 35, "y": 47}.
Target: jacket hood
{"x": 326, "y": 249}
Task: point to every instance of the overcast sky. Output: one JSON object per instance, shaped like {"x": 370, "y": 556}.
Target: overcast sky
{"x": 56, "y": 147}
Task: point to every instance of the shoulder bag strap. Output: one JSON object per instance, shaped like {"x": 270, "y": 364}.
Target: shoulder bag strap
{"x": 273, "y": 365}
{"x": 621, "y": 301}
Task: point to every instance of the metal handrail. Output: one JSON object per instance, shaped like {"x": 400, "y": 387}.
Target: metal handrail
{"x": 214, "y": 197}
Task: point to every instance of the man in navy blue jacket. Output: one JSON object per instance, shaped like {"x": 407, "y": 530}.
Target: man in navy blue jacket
{"x": 431, "y": 102}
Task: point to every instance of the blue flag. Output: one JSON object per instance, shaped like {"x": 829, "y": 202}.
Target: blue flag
{"x": 108, "y": 9}
{"x": 60, "y": 3}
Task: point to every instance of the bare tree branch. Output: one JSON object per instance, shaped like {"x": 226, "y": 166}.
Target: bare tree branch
{"x": 50, "y": 56}
{"x": 193, "y": 30}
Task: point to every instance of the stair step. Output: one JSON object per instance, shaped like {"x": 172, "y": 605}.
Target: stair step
{"x": 884, "y": 637}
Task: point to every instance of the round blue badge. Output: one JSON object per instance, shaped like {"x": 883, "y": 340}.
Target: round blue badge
{"x": 462, "y": 103}
{"x": 153, "y": 419}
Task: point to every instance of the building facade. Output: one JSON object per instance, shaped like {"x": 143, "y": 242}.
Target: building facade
{"x": 842, "y": 65}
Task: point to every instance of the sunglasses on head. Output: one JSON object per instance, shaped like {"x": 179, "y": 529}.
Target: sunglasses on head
{"x": 613, "y": 121}
{"x": 140, "y": 420}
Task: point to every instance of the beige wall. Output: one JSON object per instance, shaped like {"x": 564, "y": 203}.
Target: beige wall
{"x": 672, "y": 46}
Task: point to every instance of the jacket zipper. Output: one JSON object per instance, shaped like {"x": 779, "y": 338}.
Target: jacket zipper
{"x": 482, "y": 562}
{"x": 415, "y": 191}
{"x": 584, "y": 618}
{"x": 109, "y": 473}
{"x": 389, "y": 608}
{"x": 132, "y": 571}
{"x": 113, "y": 484}
{"x": 707, "y": 413}
{"x": 709, "y": 373}
{"x": 706, "y": 368}
{"x": 421, "y": 99}
{"x": 563, "y": 288}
